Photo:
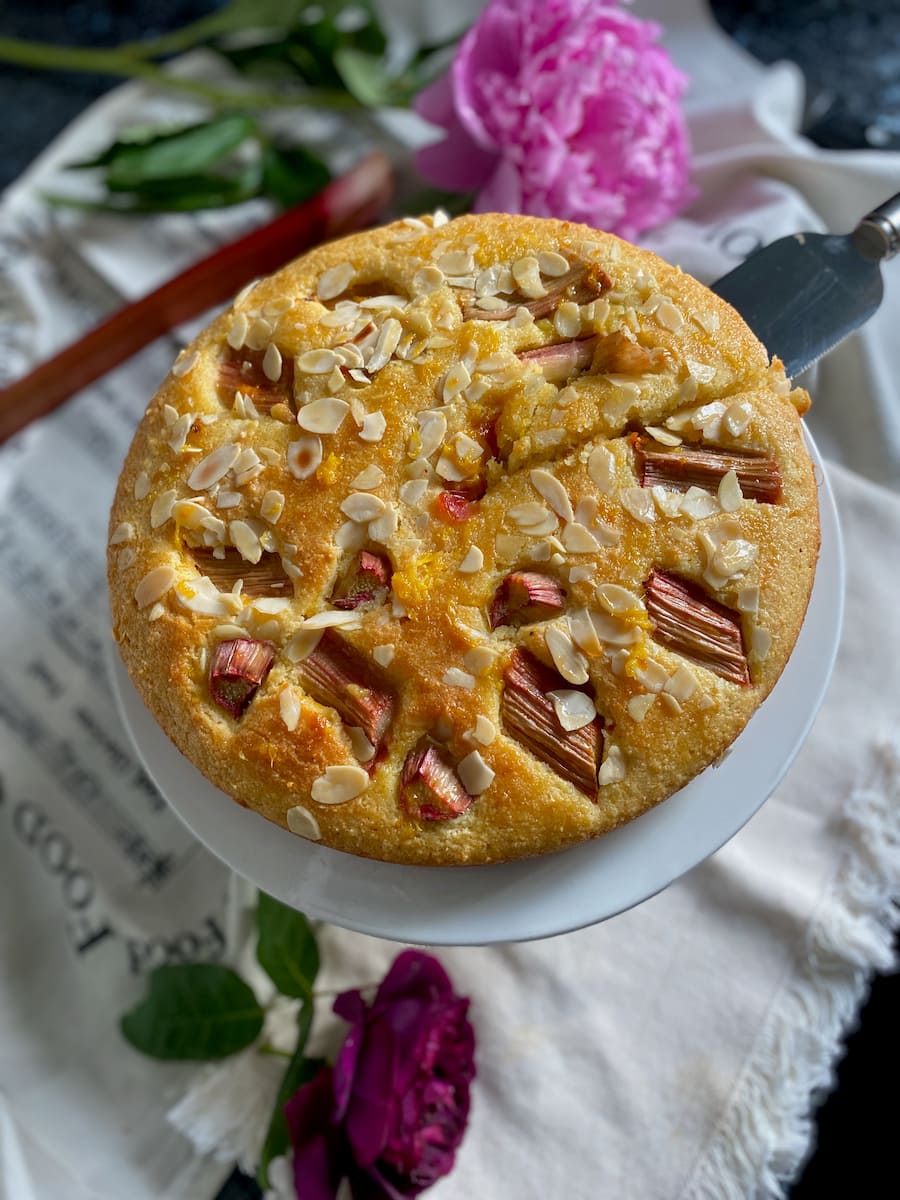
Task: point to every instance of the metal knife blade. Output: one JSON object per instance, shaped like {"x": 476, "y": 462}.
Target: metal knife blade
{"x": 804, "y": 294}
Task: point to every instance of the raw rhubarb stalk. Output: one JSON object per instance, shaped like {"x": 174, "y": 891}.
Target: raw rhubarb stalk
{"x": 529, "y": 716}
{"x": 696, "y": 626}
{"x": 367, "y": 583}
{"x": 265, "y": 578}
{"x": 429, "y": 785}
{"x": 704, "y": 467}
{"x": 340, "y": 677}
{"x": 242, "y": 371}
{"x": 524, "y": 597}
{"x": 581, "y": 285}
{"x": 238, "y": 668}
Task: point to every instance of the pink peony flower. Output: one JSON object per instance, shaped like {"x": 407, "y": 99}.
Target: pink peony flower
{"x": 392, "y": 1113}
{"x": 562, "y": 108}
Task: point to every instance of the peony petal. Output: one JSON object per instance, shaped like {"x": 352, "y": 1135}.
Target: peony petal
{"x": 352, "y": 1007}
{"x": 317, "y": 1161}
{"x": 455, "y": 163}
{"x": 371, "y": 1105}
{"x": 503, "y": 191}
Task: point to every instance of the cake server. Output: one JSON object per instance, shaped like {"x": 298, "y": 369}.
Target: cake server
{"x": 804, "y": 294}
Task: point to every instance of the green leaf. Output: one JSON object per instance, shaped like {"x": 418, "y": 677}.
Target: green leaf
{"x": 299, "y": 1070}
{"x": 365, "y": 77}
{"x": 291, "y": 174}
{"x": 286, "y": 949}
{"x": 199, "y": 1010}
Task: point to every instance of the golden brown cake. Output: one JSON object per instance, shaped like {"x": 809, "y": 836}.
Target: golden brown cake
{"x": 461, "y": 542}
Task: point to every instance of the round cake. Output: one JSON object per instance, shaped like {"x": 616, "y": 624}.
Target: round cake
{"x": 461, "y": 541}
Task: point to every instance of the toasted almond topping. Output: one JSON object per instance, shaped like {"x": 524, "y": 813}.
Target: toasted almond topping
{"x": 413, "y": 490}
{"x": 161, "y": 510}
{"x": 259, "y": 333}
{"x": 639, "y": 706}
{"x": 567, "y": 319}
{"x": 580, "y": 574}
{"x": 351, "y": 536}
{"x": 652, "y": 675}
{"x": 373, "y": 427}
{"x": 663, "y": 436}
{"x": 334, "y": 281}
{"x": 730, "y": 495}
{"x": 317, "y": 362}
{"x": 473, "y": 561}
{"x": 272, "y": 363}
{"x": 304, "y": 456}
{"x": 682, "y": 684}
{"x": 427, "y": 280}
{"x": 670, "y": 702}
{"x": 377, "y": 303}
{"x": 332, "y": 618}
{"x": 613, "y": 767}
{"x": 368, "y": 478}
{"x": 210, "y": 470}
{"x": 476, "y": 776}
{"x": 385, "y": 526}
{"x": 272, "y": 506}
{"x": 748, "y": 600}
{"x": 602, "y": 469}
{"x": 548, "y": 486}
{"x": 301, "y": 821}
{"x": 530, "y": 514}
{"x": 479, "y": 660}
{"x": 457, "y": 262}
{"x": 484, "y": 731}
{"x": 615, "y": 631}
{"x": 552, "y": 264}
{"x": 246, "y": 541}
{"x": 179, "y": 431}
{"x": 617, "y": 599}
{"x": 668, "y": 503}
{"x": 154, "y": 586}
{"x": 184, "y": 363}
{"x": 339, "y": 784}
{"x": 454, "y": 677}
{"x": 734, "y": 558}
{"x": 384, "y": 655}
{"x": 455, "y": 381}
{"x": 737, "y": 417}
{"x": 156, "y": 612}
{"x": 302, "y": 644}
{"x": 639, "y": 503}
{"x": 526, "y": 273}
{"x": 583, "y": 631}
{"x": 388, "y": 341}
{"x": 289, "y": 707}
{"x": 669, "y": 316}
{"x": 359, "y": 506}
{"x": 761, "y": 642}
{"x": 123, "y": 532}
{"x": 323, "y": 415}
{"x": 573, "y": 709}
{"x": 360, "y": 744}
{"x": 698, "y": 504}
{"x": 578, "y": 539}
{"x": 570, "y": 663}
{"x": 237, "y": 331}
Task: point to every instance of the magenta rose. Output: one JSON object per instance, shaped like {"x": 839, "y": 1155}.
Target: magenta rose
{"x": 391, "y": 1114}
{"x": 562, "y": 108}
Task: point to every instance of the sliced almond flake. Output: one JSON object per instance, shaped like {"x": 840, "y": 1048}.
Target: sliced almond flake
{"x": 141, "y": 485}
{"x": 377, "y": 303}
{"x": 302, "y": 644}
{"x": 209, "y": 470}
{"x": 670, "y": 702}
{"x": 383, "y": 528}
{"x": 344, "y": 313}
{"x": 334, "y": 281}
{"x": 156, "y": 612}
{"x": 246, "y": 541}
{"x": 272, "y": 363}
{"x": 317, "y": 362}
{"x": 336, "y": 381}
{"x": 583, "y": 632}
{"x": 439, "y": 217}
{"x": 639, "y": 706}
{"x": 702, "y": 372}
{"x": 682, "y": 684}
{"x": 454, "y": 677}
{"x": 200, "y": 595}
{"x": 529, "y": 514}
{"x": 359, "y": 506}
{"x": 473, "y": 561}
{"x": 357, "y": 410}
{"x": 729, "y": 493}
{"x": 179, "y": 431}
{"x": 669, "y": 316}
{"x": 578, "y": 539}
{"x": 289, "y": 707}
{"x": 455, "y": 381}
{"x": 474, "y": 773}
{"x": 330, "y": 618}
{"x": 272, "y": 506}
{"x": 616, "y": 599}
{"x": 618, "y": 661}
{"x": 432, "y": 431}
{"x": 304, "y": 456}
{"x": 427, "y": 280}
{"x": 698, "y": 504}
{"x": 490, "y": 303}
{"x": 668, "y": 503}
{"x": 748, "y": 600}
{"x": 170, "y": 415}
{"x": 161, "y": 509}
{"x": 639, "y": 503}
{"x": 388, "y": 340}
{"x": 737, "y": 417}
{"x": 368, "y": 478}
{"x": 362, "y": 748}
{"x": 259, "y": 333}
{"x": 351, "y": 536}
{"x": 580, "y": 574}
{"x": 476, "y": 389}
{"x": 548, "y": 486}
{"x": 449, "y": 470}
{"x": 185, "y": 363}
{"x": 548, "y": 437}
{"x": 384, "y": 655}
{"x": 567, "y": 319}
{"x": 479, "y": 660}
{"x": 552, "y": 264}
{"x": 612, "y": 769}
{"x": 339, "y": 784}
{"x": 466, "y": 449}
{"x": 508, "y": 547}
{"x": 484, "y": 731}
{"x": 123, "y": 532}
{"x": 573, "y": 709}
{"x": 457, "y": 262}
{"x": 734, "y": 557}
{"x": 154, "y": 586}
{"x": 652, "y": 675}
{"x": 373, "y": 427}
{"x": 760, "y": 643}
{"x": 615, "y": 631}
{"x": 228, "y": 499}
{"x": 270, "y": 455}
{"x": 301, "y": 822}
{"x": 237, "y": 331}
{"x": 663, "y": 436}
{"x": 602, "y": 469}
{"x": 569, "y": 661}
{"x": 708, "y": 321}
{"x": 413, "y": 490}
{"x": 324, "y": 415}
{"x": 526, "y": 273}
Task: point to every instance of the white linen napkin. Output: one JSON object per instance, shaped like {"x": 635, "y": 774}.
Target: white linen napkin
{"x": 670, "y": 1052}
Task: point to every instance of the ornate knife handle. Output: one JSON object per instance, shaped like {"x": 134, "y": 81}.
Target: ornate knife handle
{"x": 877, "y": 236}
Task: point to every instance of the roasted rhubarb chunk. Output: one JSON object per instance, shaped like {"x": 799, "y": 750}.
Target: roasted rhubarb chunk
{"x": 265, "y": 578}
{"x": 458, "y": 503}
{"x": 581, "y": 285}
{"x": 562, "y": 361}
{"x": 238, "y": 668}
{"x": 524, "y": 597}
{"x": 251, "y": 372}
{"x": 530, "y": 717}
{"x": 697, "y": 627}
{"x": 618, "y": 354}
{"x": 429, "y": 785}
{"x": 704, "y": 467}
{"x": 366, "y": 584}
{"x": 612, "y": 354}
{"x": 337, "y": 675}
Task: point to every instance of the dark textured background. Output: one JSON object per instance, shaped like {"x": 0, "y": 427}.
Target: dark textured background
{"x": 849, "y": 51}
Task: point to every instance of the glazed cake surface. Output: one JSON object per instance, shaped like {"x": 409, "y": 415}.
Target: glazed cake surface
{"x": 459, "y": 542}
